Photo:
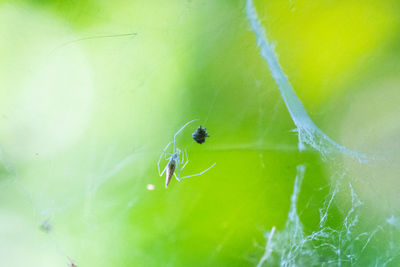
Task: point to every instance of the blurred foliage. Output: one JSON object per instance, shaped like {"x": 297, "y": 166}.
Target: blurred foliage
{"x": 83, "y": 122}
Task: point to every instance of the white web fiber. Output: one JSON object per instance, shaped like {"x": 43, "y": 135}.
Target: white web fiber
{"x": 342, "y": 245}
{"x": 326, "y": 246}
{"x": 308, "y": 132}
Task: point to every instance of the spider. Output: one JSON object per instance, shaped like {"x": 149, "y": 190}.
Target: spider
{"x": 174, "y": 161}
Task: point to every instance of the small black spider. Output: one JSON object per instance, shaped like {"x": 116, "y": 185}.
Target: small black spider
{"x": 200, "y": 135}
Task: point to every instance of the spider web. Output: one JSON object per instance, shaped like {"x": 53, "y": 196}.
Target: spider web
{"x": 85, "y": 119}
{"x": 326, "y": 246}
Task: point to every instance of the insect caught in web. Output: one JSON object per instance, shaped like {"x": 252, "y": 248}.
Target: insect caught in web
{"x": 71, "y": 263}
{"x": 175, "y": 161}
{"x": 200, "y": 135}
{"x": 46, "y": 226}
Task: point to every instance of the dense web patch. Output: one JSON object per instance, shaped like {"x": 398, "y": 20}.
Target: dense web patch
{"x": 325, "y": 246}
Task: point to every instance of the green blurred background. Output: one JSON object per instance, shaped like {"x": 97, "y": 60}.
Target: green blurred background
{"x": 84, "y": 118}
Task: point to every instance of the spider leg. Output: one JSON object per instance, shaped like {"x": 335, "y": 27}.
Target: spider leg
{"x": 182, "y": 129}
{"x": 165, "y": 155}
{"x": 166, "y": 147}
{"x": 161, "y": 174}
{"x": 158, "y": 165}
{"x": 183, "y": 156}
{"x": 178, "y": 177}
{"x": 187, "y": 160}
{"x": 197, "y": 174}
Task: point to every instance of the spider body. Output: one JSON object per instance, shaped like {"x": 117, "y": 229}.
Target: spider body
{"x": 175, "y": 162}
{"x": 170, "y": 169}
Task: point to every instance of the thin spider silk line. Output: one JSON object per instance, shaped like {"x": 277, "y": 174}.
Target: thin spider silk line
{"x": 291, "y": 246}
{"x": 308, "y": 132}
